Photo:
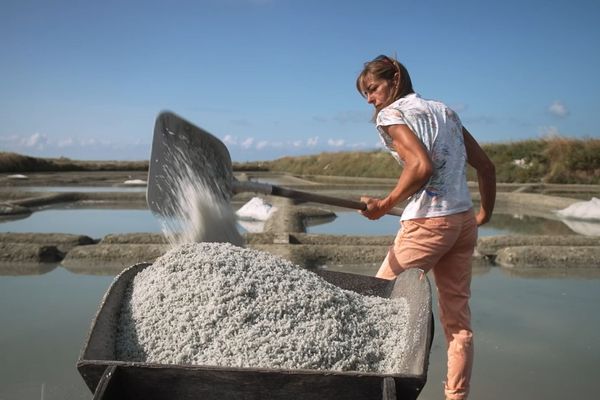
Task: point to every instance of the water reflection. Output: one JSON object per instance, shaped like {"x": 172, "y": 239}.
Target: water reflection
{"x": 587, "y": 228}
{"x": 20, "y": 269}
{"x": 91, "y": 222}
{"x": 103, "y": 268}
{"x": 119, "y": 188}
{"x": 352, "y": 223}
{"x": 44, "y": 320}
{"x": 526, "y": 224}
{"x": 97, "y": 223}
{"x": 554, "y": 273}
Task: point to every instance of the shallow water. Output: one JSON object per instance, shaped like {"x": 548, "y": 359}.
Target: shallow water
{"x": 97, "y": 223}
{"x": 353, "y": 223}
{"x": 133, "y": 188}
{"x": 44, "y": 320}
{"x": 535, "y": 338}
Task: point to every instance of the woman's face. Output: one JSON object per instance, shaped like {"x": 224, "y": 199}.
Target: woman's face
{"x": 377, "y": 91}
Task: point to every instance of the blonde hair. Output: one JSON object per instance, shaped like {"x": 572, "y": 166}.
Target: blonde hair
{"x": 391, "y": 70}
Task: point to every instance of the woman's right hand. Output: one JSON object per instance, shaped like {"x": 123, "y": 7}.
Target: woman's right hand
{"x": 375, "y": 207}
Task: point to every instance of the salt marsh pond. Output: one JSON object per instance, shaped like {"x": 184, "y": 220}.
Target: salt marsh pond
{"x": 536, "y": 333}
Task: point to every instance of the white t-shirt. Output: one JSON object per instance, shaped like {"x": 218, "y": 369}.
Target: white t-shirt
{"x": 440, "y": 130}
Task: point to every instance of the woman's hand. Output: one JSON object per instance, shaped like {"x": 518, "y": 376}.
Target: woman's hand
{"x": 482, "y": 217}
{"x": 376, "y": 208}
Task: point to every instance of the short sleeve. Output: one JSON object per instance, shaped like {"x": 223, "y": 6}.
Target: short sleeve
{"x": 390, "y": 116}
{"x": 451, "y": 114}
{"x": 387, "y": 117}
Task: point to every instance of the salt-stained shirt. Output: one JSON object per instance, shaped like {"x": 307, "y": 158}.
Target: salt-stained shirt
{"x": 440, "y": 130}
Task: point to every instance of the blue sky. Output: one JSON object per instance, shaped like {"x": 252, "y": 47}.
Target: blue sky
{"x": 86, "y": 79}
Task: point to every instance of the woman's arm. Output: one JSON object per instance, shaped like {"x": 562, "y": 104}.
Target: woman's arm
{"x": 486, "y": 177}
{"x": 417, "y": 171}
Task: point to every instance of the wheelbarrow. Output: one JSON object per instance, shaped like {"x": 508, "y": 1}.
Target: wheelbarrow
{"x": 112, "y": 379}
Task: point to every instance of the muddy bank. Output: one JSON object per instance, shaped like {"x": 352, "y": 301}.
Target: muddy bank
{"x": 29, "y": 252}
{"x": 134, "y": 238}
{"x": 489, "y": 246}
{"x": 63, "y": 241}
{"x": 108, "y": 259}
{"x": 563, "y": 257}
{"x": 38, "y": 247}
{"x": 115, "y": 252}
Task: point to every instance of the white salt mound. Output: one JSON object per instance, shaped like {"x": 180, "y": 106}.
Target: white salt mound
{"x": 17, "y": 176}
{"x": 135, "y": 182}
{"x": 583, "y": 210}
{"x": 256, "y": 209}
{"x": 221, "y": 305}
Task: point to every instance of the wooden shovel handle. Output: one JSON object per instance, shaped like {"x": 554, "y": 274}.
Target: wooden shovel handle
{"x": 273, "y": 190}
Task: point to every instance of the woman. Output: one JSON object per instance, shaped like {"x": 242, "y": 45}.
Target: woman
{"x": 438, "y": 226}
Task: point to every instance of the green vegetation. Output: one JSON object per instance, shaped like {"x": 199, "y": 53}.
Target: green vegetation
{"x": 377, "y": 164}
{"x": 556, "y": 160}
{"x": 17, "y": 163}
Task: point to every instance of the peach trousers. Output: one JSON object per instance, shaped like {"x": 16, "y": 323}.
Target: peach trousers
{"x": 444, "y": 245}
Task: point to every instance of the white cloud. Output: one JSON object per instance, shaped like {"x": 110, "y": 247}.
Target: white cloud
{"x": 88, "y": 142}
{"x": 559, "y": 109}
{"x": 228, "y": 139}
{"x": 247, "y": 143}
{"x": 336, "y": 142}
{"x": 292, "y": 146}
{"x": 42, "y": 145}
{"x": 68, "y": 142}
{"x": 37, "y": 140}
{"x": 311, "y": 142}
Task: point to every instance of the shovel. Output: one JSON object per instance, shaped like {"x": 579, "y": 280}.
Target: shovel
{"x": 179, "y": 144}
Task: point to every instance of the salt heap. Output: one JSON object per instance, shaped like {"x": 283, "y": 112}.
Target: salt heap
{"x": 582, "y": 217}
{"x": 256, "y": 209}
{"x": 221, "y": 305}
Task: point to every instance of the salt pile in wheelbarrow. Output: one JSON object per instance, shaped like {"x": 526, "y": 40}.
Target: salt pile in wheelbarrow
{"x": 217, "y": 304}
{"x": 222, "y": 307}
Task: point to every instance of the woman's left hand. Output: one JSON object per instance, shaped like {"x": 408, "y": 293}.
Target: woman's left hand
{"x": 375, "y": 208}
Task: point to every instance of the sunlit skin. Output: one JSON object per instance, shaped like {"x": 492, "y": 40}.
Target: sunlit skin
{"x": 418, "y": 166}
{"x": 376, "y": 91}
